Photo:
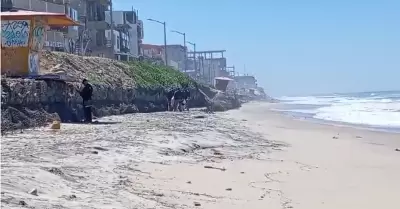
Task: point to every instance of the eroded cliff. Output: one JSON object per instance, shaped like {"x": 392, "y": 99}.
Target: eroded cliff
{"x": 119, "y": 88}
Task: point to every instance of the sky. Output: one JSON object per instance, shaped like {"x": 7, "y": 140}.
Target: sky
{"x": 293, "y": 47}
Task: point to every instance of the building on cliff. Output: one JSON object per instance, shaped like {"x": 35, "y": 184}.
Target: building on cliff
{"x": 56, "y": 38}
{"x": 175, "y": 53}
{"x": 245, "y": 82}
{"x": 93, "y": 36}
{"x": 153, "y": 53}
{"x": 206, "y": 65}
{"x": 128, "y": 32}
{"x": 176, "y": 56}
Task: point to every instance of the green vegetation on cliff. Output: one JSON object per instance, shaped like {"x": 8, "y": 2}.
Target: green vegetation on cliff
{"x": 149, "y": 75}
{"x": 111, "y": 72}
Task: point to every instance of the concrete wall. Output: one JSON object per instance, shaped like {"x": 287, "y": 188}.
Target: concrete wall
{"x": 176, "y": 53}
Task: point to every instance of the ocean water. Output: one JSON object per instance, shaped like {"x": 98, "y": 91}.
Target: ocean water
{"x": 379, "y": 110}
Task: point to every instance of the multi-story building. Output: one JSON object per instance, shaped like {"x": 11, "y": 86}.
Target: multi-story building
{"x": 175, "y": 53}
{"x": 92, "y": 34}
{"x": 152, "y": 51}
{"x": 246, "y": 82}
{"x": 57, "y": 38}
{"x": 176, "y": 56}
{"x": 129, "y": 32}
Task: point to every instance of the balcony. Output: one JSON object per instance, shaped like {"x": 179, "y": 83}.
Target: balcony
{"x": 40, "y": 5}
{"x": 54, "y": 39}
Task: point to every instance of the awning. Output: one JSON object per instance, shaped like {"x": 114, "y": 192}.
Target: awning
{"x": 53, "y": 19}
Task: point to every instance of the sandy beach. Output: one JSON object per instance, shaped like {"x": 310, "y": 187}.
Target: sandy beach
{"x": 248, "y": 158}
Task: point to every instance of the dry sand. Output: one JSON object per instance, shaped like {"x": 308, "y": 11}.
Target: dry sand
{"x": 249, "y": 158}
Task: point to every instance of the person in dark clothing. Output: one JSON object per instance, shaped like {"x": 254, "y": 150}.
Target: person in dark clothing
{"x": 86, "y": 94}
{"x": 170, "y": 94}
{"x": 178, "y": 99}
{"x": 186, "y": 98}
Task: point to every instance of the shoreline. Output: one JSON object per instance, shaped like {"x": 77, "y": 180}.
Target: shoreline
{"x": 347, "y": 127}
{"x": 250, "y": 157}
{"x": 309, "y": 117}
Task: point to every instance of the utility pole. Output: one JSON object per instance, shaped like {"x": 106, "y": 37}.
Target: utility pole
{"x": 194, "y": 55}
{"x": 184, "y": 46}
{"x": 165, "y": 38}
{"x": 112, "y": 29}
{"x": 165, "y": 43}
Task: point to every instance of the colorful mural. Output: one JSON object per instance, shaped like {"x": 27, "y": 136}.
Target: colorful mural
{"x": 38, "y": 36}
{"x": 15, "y": 33}
{"x": 22, "y": 39}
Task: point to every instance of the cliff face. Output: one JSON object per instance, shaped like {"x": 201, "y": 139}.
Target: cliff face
{"x": 119, "y": 88}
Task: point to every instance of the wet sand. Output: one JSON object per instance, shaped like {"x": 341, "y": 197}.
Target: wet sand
{"x": 246, "y": 158}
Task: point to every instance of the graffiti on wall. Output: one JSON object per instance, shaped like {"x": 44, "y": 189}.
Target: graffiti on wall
{"x": 37, "y": 38}
{"x": 33, "y": 63}
{"x": 15, "y": 33}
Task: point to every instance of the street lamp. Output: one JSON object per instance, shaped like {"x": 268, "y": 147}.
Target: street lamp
{"x": 165, "y": 38}
{"x": 184, "y": 45}
{"x": 194, "y": 54}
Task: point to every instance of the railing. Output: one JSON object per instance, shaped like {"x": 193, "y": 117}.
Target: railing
{"x": 40, "y": 5}
{"x": 54, "y": 36}
{"x": 58, "y": 1}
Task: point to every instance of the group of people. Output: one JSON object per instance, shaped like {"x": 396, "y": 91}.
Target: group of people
{"x": 177, "y": 99}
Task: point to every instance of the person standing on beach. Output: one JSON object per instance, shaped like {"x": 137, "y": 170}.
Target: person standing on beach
{"x": 178, "y": 99}
{"x": 170, "y": 94}
{"x": 86, "y": 94}
{"x": 186, "y": 98}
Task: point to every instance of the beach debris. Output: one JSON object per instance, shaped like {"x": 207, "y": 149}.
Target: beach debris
{"x": 23, "y": 203}
{"x": 55, "y": 125}
{"x": 197, "y": 204}
{"x": 34, "y": 192}
{"x": 398, "y": 150}
{"x": 69, "y": 197}
{"x": 189, "y": 182}
{"x": 212, "y": 167}
{"x": 159, "y": 195}
{"x": 100, "y": 148}
{"x": 242, "y": 172}
{"x": 199, "y": 116}
{"x": 244, "y": 120}
{"x": 55, "y": 171}
{"x": 358, "y": 137}
{"x": 216, "y": 152}
{"x": 335, "y": 137}
{"x": 228, "y": 189}
{"x": 95, "y": 152}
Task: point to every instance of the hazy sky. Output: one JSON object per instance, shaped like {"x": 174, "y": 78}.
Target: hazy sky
{"x": 292, "y": 46}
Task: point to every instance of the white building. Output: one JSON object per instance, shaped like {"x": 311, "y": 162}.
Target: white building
{"x": 176, "y": 55}
{"x": 128, "y": 24}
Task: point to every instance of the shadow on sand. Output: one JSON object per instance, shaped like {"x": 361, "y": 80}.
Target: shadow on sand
{"x": 96, "y": 123}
